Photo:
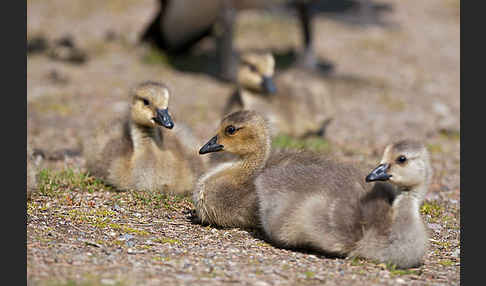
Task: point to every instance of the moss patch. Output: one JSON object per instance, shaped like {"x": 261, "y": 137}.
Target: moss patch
{"x": 433, "y": 209}
{"x": 446, "y": 262}
{"x": 309, "y": 274}
{"x": 397, "y": 272}
{"x": 167, "y": 240}
{"x": 159, "y": 199}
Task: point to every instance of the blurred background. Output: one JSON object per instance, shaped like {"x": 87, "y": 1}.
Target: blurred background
{"x": 388, "y": 69}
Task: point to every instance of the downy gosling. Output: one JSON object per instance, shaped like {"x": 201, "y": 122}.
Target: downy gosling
{"x": 139, "y": 154}
{"x": 254, "y": 80}
{"x": 225, "y": 195}
{"x": 320, "y": 204}
{"x": 291, "y": 109}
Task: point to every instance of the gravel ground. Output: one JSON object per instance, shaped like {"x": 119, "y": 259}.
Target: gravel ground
{"x": 392, "y": 80}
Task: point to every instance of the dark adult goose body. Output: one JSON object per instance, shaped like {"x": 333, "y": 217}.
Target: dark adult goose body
{"x": 179, "y": 25}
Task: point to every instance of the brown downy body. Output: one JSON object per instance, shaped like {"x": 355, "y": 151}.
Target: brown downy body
{"x": 225, "y": 195}
{"x": 291, "y": 108}
{"x": 140, "y": 153}
{"x": 321, "y": 204}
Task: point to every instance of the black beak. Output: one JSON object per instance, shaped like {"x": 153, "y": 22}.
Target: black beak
{"x": 379, "y": 173}
{"x": 163, "y": 118}
{"x": 211, "y": 146}
{"x": 267, "y": 85}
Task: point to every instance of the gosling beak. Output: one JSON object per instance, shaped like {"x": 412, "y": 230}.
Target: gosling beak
{"x": 211, "y": 146}
{"x": 379, "y": 173}
{"x": 163, "y": 118}
{"x": 267, "y": 85}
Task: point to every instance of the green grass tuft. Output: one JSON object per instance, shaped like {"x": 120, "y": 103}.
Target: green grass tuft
{"x": 167, "y": 240}
{"x": 357, "y": 261}
{"x": 127, "y": 229}
{"x": 53, "y": 183}
{"x": 155, "y": 57}
{"x": 446, "y": 262}
{"x": 451, "y": 134}
{"x": 159, "y": 199}
{"x": 432, "y": 208}
{"x": 312, "y": 144}
{"x": 161, "y": 258}
{"x": 309, "y": 274}
{"x": 434, "y": 148}
{"x": 394, "y": 271}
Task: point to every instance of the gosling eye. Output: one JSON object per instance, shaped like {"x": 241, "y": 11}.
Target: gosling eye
{"x": 253, "y": 68}
{"x": 401, "y": 159}
{"x": 145, "y": 101}
{"x": 230, "y": 130}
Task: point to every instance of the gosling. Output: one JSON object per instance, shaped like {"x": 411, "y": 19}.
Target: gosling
{"x": 323, "y": 205}
{"x": 254, "y": 80}
{"x": 225, "y": 195}
{"x": 138, "y": 154}
{"x": 292, "y": 108}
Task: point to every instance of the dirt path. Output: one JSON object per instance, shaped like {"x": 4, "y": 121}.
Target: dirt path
{"x": 390, "y": 81}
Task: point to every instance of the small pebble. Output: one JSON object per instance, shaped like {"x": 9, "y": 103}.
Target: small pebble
{"x": 133, "y": 251}
{"x": 105, "y": 281}
{"x": 400, "y": 280}
{"x": 457, "y": 253}
{"x": 125, "y": 237}
{"x": 436, "y": 227}
{"x": 117, "y": 208}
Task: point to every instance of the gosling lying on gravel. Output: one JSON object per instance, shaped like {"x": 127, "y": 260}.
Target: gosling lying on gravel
{"x": 324, "y": 205}
{"x": 138, "y": 154}
{"x": 225, "y": 195}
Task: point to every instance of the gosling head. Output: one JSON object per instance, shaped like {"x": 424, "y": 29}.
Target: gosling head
{"x": 242, "y": 133}
{"x": 405, "y": 163}
{"x": 256, "y": 72}
{"x": 150, "y": 101}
